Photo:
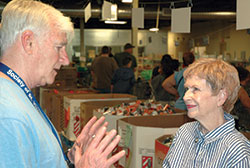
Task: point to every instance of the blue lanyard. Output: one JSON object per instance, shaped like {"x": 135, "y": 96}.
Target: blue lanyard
{"x": 11, "y": 74}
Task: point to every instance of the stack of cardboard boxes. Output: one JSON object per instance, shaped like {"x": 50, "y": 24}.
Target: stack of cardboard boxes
{"x": 66, "y": 78}
{"x": 52, "y": 102}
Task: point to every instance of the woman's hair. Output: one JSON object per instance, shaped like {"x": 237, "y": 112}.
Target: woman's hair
{"x": 40, "y": 18}
{"x": 188, "y": 58}
{"x": 219, "y": 75}
{"x": 243, "y": 73}
{"x": 176, "y": 64}
{"x": 167, "y": 65}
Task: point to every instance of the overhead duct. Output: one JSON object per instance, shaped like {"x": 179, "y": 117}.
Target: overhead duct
{"x": 149, "y": 14}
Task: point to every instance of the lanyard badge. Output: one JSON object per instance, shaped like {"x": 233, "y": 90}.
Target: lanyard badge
{"x": 18, "y": 80}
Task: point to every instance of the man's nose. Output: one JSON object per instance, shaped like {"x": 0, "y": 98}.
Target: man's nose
{"x": 64, "y": 59}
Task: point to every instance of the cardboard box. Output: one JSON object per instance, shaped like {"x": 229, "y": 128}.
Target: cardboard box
{"x": 246, "y": 134}
{"x": 161, "y": 150}
{"x": 52, "y": 104}
{"x": 139, "y": 134}
{"x": 67, "y": 73}
{"x": 74, "y": 121}
{"x": 36, "y": 93}
{"x": 63, "y": 84}
{"x": 46, "y": 102}
{"x": 66, "y": 78}
{"x": 88, "y": 109}
{"x": 112, "y": 119}
{"x": 41, "y": 97}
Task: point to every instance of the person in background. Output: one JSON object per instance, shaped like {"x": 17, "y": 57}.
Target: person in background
{"x": 211, "y": 141}
{"x": 176, "y": 65}
{"x": 102, "y": 69}
{"x": 242, "y": 106}
{"x": 176, "y": 80}
{"x": 166, "y": 69}
{"x": 110, "y": 52}
{"x": 155, "y": 71}
{"x": 124, "y": 78}
{"x": 33, "y": 39}
{"x": 128, "y": 50}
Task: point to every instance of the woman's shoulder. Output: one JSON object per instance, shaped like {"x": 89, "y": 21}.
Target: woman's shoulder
{"x": 237, "y": 138}
{"x": 237, "y": 143}
{"x": 189, "y": 125}
{"x": 237, "y": 146}
{"x": 188, "y": 128}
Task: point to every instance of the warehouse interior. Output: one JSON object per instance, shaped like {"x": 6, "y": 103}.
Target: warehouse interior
{"x": 146, "y": 116}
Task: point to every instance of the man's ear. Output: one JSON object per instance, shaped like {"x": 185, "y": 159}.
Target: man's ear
{"x": 222, "y": 97}
{"x": 27, "y": 38}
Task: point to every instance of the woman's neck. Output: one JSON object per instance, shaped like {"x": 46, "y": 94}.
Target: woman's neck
{"x": 207, "y": 126}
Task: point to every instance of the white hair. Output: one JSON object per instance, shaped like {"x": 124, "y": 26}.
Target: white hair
{"x": 21, "y": 15}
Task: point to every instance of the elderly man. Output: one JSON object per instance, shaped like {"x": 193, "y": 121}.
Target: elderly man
{"x": 33, "y": 40}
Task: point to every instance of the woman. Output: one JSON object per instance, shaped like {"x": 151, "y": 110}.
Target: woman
{"x": 174, "y": 84}
{"x": 165, "y": 70}
{"x": 242, "y": 106}
{"x": 211, "y": 141}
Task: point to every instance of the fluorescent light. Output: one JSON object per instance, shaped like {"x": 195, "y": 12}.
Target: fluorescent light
{"x": 113, "y": 12}
{"x": 115, "y": 22}
{"x": 127, "y": 1}
{"x": 154, "y": 29}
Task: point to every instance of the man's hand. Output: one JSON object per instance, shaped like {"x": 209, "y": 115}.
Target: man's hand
{"x": 96, "y": 155}
{"x": 84, "y": 139}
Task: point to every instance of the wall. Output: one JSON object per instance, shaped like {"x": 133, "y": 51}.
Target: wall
{"x": 154, "y": 43}
{"x": 178, "y": 44}
{"x": 228, "y": 41}
{"x": 238, "y": 42}
{"x": 223, "y": 40}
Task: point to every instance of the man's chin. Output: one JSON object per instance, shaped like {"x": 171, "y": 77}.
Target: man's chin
{"x": 50, "y": 82}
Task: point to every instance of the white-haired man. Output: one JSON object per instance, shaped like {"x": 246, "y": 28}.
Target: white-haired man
{"x": 33, "y": 40}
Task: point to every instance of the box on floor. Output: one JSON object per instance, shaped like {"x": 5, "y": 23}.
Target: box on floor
{"x": 52, "y": 104}
{"x": 66, "y": 73}
{"x": 75, "y": 120}
{"x": 138, "y": 136}
{"x": 246, "y": 134}
{"x": 91, "y": 107}
{"x": 114, "y": 111}
{"x": 66, "y": 78}
{"x": 161, "y": 150}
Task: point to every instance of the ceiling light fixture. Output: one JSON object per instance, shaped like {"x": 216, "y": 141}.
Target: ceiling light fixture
{"x": 156, "y": 29}
{"x": 127, "y": 1}
{"x": 114, "y": 22}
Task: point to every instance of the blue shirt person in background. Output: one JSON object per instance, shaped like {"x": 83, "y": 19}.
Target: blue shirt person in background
{"x": 123, "y": 79}
{"x": 211, "y": 141}
{"x": 174, "y": 84}
{"x": 34, "y": 36}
